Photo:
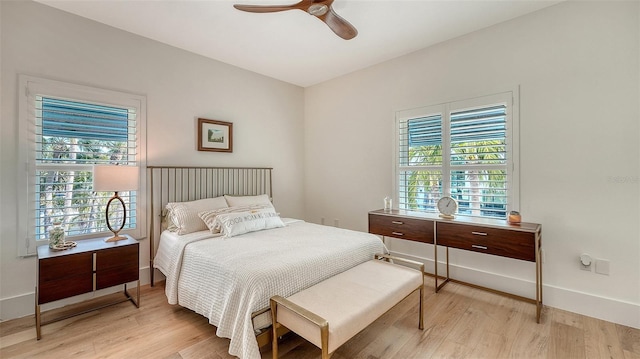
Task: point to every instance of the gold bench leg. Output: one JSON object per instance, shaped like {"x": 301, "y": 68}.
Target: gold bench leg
{"x": 274, "y": 329}
{"x": 305, "y": 314}
{"x": 324, "y": 338}
{"x": 420, "y": 307}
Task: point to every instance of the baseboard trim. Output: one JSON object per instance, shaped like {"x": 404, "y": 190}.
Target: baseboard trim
{"x": 609, "y": 309}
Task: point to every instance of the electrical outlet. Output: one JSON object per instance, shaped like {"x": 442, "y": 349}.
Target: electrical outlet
{"x": 322, "y": 221}
{"x": 336, "y": 223}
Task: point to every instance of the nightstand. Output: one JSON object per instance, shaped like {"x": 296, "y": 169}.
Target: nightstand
{"x": 93, "y": 264}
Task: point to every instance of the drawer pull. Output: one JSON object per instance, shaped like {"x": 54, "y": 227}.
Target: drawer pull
{"x": 397, "y": 222}
{"x": 479, "y": 233}
{"x": 478, "y": 246}
{"x": 397, "y": 234}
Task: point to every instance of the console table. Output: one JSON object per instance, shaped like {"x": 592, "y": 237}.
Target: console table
{"x": 93, "y": 264}
{"x": 495, "y": 237}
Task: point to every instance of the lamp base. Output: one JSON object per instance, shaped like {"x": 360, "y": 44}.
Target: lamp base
{"x": 115, "y": 238}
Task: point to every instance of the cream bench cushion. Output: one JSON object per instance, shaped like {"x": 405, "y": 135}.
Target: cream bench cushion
{"x": 348, "y": 302}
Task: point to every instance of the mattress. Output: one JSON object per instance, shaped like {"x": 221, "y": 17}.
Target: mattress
{"x": 227, "y": 279}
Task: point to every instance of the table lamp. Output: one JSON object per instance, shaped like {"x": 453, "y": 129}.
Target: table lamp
{"x": 107, "y": 178}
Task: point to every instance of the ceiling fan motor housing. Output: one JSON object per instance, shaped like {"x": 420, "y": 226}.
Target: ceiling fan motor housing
{"x": 318, "y": 9}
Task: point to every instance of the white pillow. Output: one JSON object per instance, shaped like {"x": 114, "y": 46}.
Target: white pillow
{"x": 209, "y": 217}
{"x": 183, "y": 216}
{"x": 233, "y": 224}
{"x": 235, "y": 201}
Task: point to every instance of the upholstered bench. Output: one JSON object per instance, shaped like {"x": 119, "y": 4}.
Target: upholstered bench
{"x": 333, "y": 311}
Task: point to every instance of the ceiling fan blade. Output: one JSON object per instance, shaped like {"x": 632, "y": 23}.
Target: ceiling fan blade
{"x": 339, "y": 25}
{"x": 321, "y": 9}
{"x": 262, "y": 8}
{"x": 273, "y": 8}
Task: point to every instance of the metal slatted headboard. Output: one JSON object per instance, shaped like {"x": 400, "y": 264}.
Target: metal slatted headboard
{"x": 181, "y": 184}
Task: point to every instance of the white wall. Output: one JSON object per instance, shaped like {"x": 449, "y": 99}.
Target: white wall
{"x": 180, "y": 87}
{"x": 577, "y": 65}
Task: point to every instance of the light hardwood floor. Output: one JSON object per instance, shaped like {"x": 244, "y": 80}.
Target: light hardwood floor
{"x": 460, "y": 322}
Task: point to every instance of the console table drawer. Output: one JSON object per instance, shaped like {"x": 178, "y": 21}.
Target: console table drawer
{"x": 411, "y": 229}
{"x": 500, "y": 242}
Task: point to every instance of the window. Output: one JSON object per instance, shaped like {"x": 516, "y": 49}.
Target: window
{"x": 464, "y": 149}
{"x": 65, "y": 130}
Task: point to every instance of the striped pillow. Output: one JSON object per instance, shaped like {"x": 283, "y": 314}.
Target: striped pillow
{"x": 237, "y": 223}
{"x": 209, "y": 216}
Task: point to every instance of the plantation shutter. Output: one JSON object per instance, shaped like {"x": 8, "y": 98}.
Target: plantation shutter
{"x": 478, "y": 136}
{"x": 420, "y": 156}
{"x": 64, "y": 118}
{"x": 478, "y": 161}
{"x": 65, "y": 129}
{"x": 464, "y": 149}
{"x": 71, "y": 137}
{"x": 74, "y": 121}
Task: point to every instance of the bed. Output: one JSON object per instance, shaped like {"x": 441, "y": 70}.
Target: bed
{"x": 229, "y": 277}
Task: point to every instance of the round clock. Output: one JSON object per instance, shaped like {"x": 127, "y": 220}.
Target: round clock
{"x": 447, "y": 207}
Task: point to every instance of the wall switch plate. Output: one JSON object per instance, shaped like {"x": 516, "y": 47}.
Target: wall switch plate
{"x": 602, "y": 266}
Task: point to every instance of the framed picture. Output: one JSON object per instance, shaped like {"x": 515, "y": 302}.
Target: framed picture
{"x": 216, "y": 136}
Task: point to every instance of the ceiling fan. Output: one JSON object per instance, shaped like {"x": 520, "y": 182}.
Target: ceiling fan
{"x": 319, "y": 8}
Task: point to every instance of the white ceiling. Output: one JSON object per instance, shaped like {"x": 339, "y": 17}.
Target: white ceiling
{"x": 293, "y": 46}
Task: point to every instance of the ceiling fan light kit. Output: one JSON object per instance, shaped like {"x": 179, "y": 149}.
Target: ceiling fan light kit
{"x": 319, "y": 8}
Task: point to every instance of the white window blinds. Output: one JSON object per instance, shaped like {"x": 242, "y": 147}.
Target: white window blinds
{"x": 66, "y": 130}
{"x": 478, "y": 167}
{"x": 420, "y": 158}
{"x": 478, "y": 161}
{"x": 71, "y": 137}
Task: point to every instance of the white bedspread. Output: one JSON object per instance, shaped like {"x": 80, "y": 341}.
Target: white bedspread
{"x": 227, "y": 279}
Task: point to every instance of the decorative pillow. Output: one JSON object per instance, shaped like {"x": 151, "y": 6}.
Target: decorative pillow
{"x": 209, "y": 217}
{"x": 235, "y": 201}
{"x": 233, "y": 224}
{"x": 183, "y": 216}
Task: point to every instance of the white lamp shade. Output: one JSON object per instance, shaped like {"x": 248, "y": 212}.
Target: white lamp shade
{"x": 108, "y": 178}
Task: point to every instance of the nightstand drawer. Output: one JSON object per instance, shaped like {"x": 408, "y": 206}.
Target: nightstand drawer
{"x": 412, "y": 229}
{"x": 68, "y": 286}
{"x": 60, "y": 267}
{"x": 117, "y": 275}
{"x": 500, "y": 242}
{"x": 117, "y": 265}
{"x": 117, "y": 257}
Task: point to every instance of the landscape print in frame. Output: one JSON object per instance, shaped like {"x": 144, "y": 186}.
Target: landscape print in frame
{"x": 215, "y": 136}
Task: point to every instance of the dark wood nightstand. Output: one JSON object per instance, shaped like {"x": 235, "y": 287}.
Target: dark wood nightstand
{"x": 93, "y": 264}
